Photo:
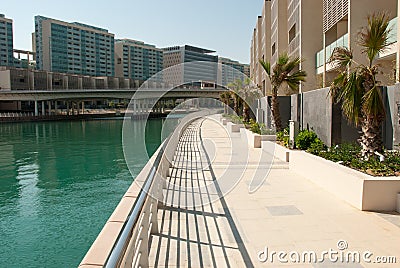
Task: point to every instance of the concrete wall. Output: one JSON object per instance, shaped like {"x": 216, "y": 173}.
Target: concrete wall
{"x": 264, "y": 113}
{"x": 5, "y": 81}
{"x": 392, "y": 124}
{"x": 316, "y": 113}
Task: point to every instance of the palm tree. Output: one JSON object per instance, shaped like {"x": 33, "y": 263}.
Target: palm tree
{"x": 235, "y": 88}
{"x": 356, "y": 87}
{"x": 284, "y": 72}
{"x": 225, "y": 97}
{"x": 249, "y": 93}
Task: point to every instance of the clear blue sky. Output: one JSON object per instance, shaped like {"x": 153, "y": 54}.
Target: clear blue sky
{"x": 222, "y": 25}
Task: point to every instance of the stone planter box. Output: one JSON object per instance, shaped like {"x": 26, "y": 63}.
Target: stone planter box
{"x": 234, "y": 127}
{"x": 254, "y": 140}
{"x": 363, "y": 191}
{"x": 280, "y": 152}
{"x": 225, "y": 121}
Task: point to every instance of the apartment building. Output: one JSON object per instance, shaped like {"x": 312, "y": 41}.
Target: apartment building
{"x": 312, "y": 29}
{"x": 200, "y": 64}
{"x": 342, "y": 21}
{"x": 73, "y": 48}
{"x": 6, "y": 41}
{"x": 305, "y": 37}
{"x": 231, "y": 70}
{"x": 137, "y": 60}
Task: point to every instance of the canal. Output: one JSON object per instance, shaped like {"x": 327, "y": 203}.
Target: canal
{"x": 59, "y": 183}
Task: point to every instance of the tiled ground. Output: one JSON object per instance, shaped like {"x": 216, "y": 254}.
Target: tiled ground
{"x": 287, "y": 213}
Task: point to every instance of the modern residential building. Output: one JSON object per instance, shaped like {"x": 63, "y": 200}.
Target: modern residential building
{"x": 137, "y": 60}
{"x": 304, "y": 37}
{"x": 279, "y": 28}
{"x": 261, "y": 48}
{"x": 312, "y": 29}
{"x": 203, "y": 64}
{"x": 231, "y": 70}
{"x": 6, "y": 41}
{"x": 342, "y": 21}
{"x": 73, "y": 48}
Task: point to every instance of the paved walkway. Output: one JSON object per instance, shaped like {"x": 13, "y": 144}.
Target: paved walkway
{"x": 288, "y": 213}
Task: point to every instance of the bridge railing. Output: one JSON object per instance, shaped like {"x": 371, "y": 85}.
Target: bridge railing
{"x": 124, "y": 240}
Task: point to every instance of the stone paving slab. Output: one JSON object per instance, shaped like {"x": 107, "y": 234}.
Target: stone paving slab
{"x": 287, "y": 213}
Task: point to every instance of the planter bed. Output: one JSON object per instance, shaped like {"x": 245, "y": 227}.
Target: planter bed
{"x": 232, "y": 127}
{"x": 361, "y": 190}
{"x": 253, "y": 139}
{"x": 280, "y": 152}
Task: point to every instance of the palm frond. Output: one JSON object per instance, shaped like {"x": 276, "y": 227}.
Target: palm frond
{"x": 291, "y": 64}
{"x": 351, "y": 95}
{"x": 373, "y": 104}
{"x": 336, "y": 86}
{"x": 294, "y": 79}
{"x": 266, "y": 66}
{"x": 374, "y": 37}
{"x": 341, "y": 57}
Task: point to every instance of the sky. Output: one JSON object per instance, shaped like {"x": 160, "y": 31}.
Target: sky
{"x": 225, "y": 26}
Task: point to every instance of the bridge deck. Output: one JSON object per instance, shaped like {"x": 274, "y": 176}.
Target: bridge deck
{"x": 195, "y": 231}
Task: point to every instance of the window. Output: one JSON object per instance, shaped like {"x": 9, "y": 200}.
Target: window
{"x": 292, "y": 33}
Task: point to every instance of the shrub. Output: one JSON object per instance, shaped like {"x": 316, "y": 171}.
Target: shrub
{"x": 316, "y": 147}
{"x": 349, "y": 154}
{"x": 254, "y": 126}
{"x": 283, "y": 137}
{"x": 305, "y": 138}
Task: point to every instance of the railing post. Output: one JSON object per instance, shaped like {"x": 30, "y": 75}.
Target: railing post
{"x": 144, "y": 245}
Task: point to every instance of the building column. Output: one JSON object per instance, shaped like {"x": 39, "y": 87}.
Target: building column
{"x": 36, "y": 108}
{"x": 83, "y": 107}
{"x": 55, "y": 108}
{"x": 67, "y": 113}
{"x": 140, "y": 106}
{"x": 134, "y": 107}
{"x": 73, "y": 107}
{"x": 49, "y": 106}
{"x": 43, "y": 108}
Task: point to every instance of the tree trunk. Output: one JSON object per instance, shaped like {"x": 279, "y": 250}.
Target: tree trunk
{"x": 371, "y": 138}
{"x": 245, "y": 113}
{"x": 275, "y": 112}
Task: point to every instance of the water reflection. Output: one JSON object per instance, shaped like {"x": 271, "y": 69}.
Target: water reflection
{"x": 59, "y": 183}
{"x": 27, "y": 179}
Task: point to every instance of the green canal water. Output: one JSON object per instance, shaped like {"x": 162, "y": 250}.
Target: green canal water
{"x": 59, "y": 183}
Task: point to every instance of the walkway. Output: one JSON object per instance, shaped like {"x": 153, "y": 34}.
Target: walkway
{"x": 288, "y": 213}
{"x": 194, "y": 231}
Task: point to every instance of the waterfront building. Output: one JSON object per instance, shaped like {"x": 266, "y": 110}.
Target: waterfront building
{"x": 73, "y": 48}
{"x": 342, "y": 20}
{"x": 6, "y": 41}
{"x": 205, "y": 70}
{"x": 312, "y": 29}
{"x": 231, "y": 70}
{"x": 137, "y": 60}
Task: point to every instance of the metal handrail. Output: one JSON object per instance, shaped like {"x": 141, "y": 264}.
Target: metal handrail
{"x": 119, "y": 249}
{"x": 123, "y": 239}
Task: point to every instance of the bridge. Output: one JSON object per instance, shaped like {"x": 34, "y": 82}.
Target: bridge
{"x": 75, "y": 98}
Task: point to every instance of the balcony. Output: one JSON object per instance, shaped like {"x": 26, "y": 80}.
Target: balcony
{"x": 392, "y": 40}
{"x": 341, "y": 42}
{"x": 344, "y": 41}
